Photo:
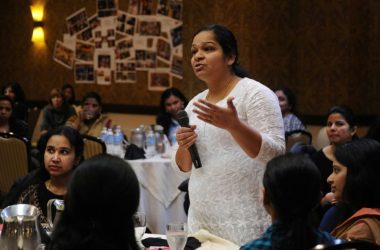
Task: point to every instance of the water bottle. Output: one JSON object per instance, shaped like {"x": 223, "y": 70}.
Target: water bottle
{"x": 160, "y": 143}
{"x": 118, "y": 142}
{"x": 150, "y": 144}
{"x": 109, "y": 141}
{"x": 103, "y": 134}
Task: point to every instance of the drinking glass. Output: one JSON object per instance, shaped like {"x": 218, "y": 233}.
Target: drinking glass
{"x": 139, "y": 220}
{"x": 176, "y": 234}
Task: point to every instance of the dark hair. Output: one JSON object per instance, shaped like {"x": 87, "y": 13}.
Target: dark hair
{"x": 344, "y": 111}
{"x": 17, "y": 90}
{"x": 374, "y": 130}
{"x": 164, "y": 118}
{"x": 292, "y": 101}
{"x": 227, "y": 41}
{"x": 72, "y": 98}
{"x": 94, "y": 95}
{"x": 286, "y": 179}
{"x": 41, "y": 174}
{"x": 103, "y": 195}
{"x": 7, "y": 98}
{"x": 361, "y": 157}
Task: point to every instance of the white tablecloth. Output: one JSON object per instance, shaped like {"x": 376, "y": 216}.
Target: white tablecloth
{"x": 160, "y": 197}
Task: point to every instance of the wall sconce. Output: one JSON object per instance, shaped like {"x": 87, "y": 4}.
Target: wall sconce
{"x": 38, "y": 15}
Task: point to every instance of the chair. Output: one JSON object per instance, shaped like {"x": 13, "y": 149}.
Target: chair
{"x": 322, "y": 139}
{"x": 14, "y": 159}
{"x": 339, "y": 244}
{"x": 297, "y": 136}
{"x": 93, "y": 146}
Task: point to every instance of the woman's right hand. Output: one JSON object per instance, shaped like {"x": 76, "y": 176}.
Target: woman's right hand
{"x": 186, "y": 136}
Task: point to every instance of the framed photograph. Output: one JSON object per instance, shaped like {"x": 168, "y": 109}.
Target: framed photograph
{"x": 84, "y": 51}
{"x": 159, "y": 81}
{"x": 103, "y": 76}
{"x": 77, "y": 22}
{"x": 163, "y": 49}
{"x": 63, "y": 55}
{"x": 84, "y": 73}
{"x": 146, "y": 7}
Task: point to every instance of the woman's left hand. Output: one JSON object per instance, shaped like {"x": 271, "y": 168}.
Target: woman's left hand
{"x": 220, "y": 117}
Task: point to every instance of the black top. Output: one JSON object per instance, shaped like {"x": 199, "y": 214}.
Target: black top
{"x": 325, "y": 167}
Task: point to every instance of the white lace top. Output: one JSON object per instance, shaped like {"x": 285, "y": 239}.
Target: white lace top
{"x": 225, "y": 194}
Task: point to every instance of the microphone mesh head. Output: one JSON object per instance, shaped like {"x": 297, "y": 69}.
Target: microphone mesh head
{"x": 183, "y": 118}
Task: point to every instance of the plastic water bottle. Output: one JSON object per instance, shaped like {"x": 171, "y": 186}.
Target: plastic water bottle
{"x": 109, "y": 141}
{"x": 118, "y": 142}
{"x": 103, "y": 134}
{"x": 150, "y": 144}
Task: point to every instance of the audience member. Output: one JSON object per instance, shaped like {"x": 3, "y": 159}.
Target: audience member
{"x": 90, "y": 119}
{"x": 172, "y": 101}
{"x": 355, "y": 182}
{"x": 94, "y": 217}
{"x": 340, "y": 128}
{"x": 292, "y": 185}
{"x": 374, "y": 130}
{"x": 63, "y": 148}
{"x": 287, "y": 101}
{"x": 69, "y": 96}
{"x": 16, "y": 93}
{"x": 57, "y": 112}
{"x": 8, "y": 122}
{"x": 237, "y": 126}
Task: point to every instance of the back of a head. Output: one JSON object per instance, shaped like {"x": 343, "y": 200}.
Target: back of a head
{"x": 103, "y": 194}
{"x": 293, "y": 186}
{"x": 362, "y": 158}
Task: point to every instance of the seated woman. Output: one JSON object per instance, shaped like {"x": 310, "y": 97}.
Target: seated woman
{"x": 57, "y": 112}
{"x": 9, "y": 123}
{"x": 63, "y": 148}
{"x": 291, "y": 191}
{"x": 355, "y": 183}
{"x": 16, "y": 93}
{"x": 69, "y": 96}
{"x": 94, "y": 217}
{"x": 90, "y": 119}
{"x": 341, "y": 128}
{"x": 172, "y": 101}
{"x": 287, "y": 101}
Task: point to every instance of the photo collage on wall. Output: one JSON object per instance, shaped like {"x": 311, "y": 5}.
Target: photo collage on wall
{"x": 112, "y": 45}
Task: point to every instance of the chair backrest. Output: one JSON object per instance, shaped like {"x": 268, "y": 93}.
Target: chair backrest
{"x": 352, "y": 245}
{"x": 14, "y": 159}
{"x": 93, "y": 146}
{"x": 322, "y": 139}
{"x": 37, "y": 129}
{"x": 296, "y": 136}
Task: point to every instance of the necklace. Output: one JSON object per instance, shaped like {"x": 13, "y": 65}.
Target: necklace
{"x": 225, "y": 92}
{"x": 54, "y": 189}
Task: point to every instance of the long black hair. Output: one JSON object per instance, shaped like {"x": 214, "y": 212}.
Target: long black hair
{"x": 292, "y": 185}
{"x": 227, "y": 41}
{"x": 163, "y": 117}
{"x": 41, "y": 174}
{"x": 362, "y": 158}
{"x": 103, "y": 195}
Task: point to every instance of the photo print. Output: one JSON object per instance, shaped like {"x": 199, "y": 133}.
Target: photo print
{"x": 126, "y": 24}
{"x": 84, "y": 51}
{"x": 107, "y": 8}
{"x": 123, "y": 48}
{"x": 77, "y": 22}
{"x": 177, "y": 66}
{"x": 85, "y": 35}
{"x": 159, "y": 81}
{"x": 63, "y": 55}
{"x": 150, "y": 28}
{"x": 84, "y": 73}
{"x": 176, "y": 35}
{"x": 103, "y": 76}
{"x": 125, "y": 72}
{"x": 163, "y": 49}
{"x": 146, "y": 7}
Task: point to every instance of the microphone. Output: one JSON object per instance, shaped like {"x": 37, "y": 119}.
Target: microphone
{"x": 183, "y": 120}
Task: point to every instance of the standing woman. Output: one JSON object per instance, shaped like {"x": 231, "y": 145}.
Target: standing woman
{"x": 172, "y": 101}
{"x": 63, "y": 149}
{"x": 237, "y": 127}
